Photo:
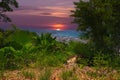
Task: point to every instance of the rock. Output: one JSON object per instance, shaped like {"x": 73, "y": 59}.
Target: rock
{"x": 72, "y": 60}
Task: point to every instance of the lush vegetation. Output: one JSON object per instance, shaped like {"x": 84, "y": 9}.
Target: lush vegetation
{"x": 20, "y": 49}
{"x": 99, "y": 21}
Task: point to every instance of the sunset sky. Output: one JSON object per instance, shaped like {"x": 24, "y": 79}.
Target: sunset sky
{"x": 53, "y": 14}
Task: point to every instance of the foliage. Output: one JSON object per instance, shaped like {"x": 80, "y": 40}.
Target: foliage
{"x": 26, "y": 55}
{"x": 44, "y": 59}
{"x": 28, "y": 75}
{"x": 115, "y": 61}
{"x": 88, "y": 55}
{"x": 14, "y": 44}
{"x": 45, "y": 41}
{"x": 45, "y": 51}
{"x": 85, "y": 52}
{"x": 101, "y": 59}
{"x": 8, "y": 58}
{"x": 68, "y": 75}
{"x": 99, "y": 20}
{"x": 45, "y": 75}
{"x": 19, "y": 36}
{"x": 1, "y": 39}
{"x": 6, "y": 6}
{"x": 115, "y": 32}
{"x": 15, "y": 51}
{"x": 49, "y": 51}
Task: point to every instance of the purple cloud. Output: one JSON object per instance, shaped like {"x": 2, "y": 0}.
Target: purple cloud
{"x": 43, "y": 13}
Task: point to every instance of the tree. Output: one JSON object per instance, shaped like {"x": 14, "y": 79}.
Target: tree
{"x": 98, "y": 19}
{"x": 7, "y": 6}
{"x": 116, "y": 27}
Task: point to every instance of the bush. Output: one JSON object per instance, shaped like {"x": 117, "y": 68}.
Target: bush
{"x": 19, "y": 36}
{"x": 49, "y": 51}
{"x": 26, "y": 55}
{"x": 85, "y": 53}
{"x": 46, "y": 42}
{"x": 115, "y": 61}
{"x": 8, "y": 58}
{"x": 54, "y": 59}
{"x": 14, "y": 44}
{"x": 101, "y": 59}
{"x": 1, "y": 39}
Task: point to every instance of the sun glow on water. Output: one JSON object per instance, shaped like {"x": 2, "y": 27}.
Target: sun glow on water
{"x": 58, "y": 29}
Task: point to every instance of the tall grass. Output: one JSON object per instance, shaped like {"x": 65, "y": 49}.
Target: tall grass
{"x": 68, "y": 75}
{"x": 28, "y": 75}
{"x": 45, "y": 75}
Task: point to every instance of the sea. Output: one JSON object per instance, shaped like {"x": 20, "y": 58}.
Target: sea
{"x": 55, "y": 32}
{"x": 58, "y": 33}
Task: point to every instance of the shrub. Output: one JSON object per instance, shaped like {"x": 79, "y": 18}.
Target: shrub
{"x": 101, "y": 59}
{"x": 1, "y": 40}
{"x": 85, "y": 53}
{"x": 26, "y": 55}
{"x": 14, "y": 44}
{"x": 54, "y": 59}
{"x": 44, "y": 41}
{"x": 49, "y": 51}
{"x": 19, "y": 36}
{"x": 8, "y": 58}
{"x": 115, "y": 61}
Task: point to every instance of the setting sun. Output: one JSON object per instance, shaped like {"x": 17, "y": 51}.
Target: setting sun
{"x": 58, "y": 27}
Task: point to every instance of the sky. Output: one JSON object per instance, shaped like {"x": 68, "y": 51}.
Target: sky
{"x": 52, "y": 14}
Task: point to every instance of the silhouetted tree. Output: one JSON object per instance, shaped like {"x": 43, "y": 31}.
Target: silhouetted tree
{"x": 7, "y": 6}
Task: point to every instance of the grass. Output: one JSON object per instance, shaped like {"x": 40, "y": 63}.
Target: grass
{"x": 45, "y": 75}
{"x": 63, "y": 74}
{"x": 46, "y": 52}
{"x": 28, "y": 74}
{"x": 68, "y": 75}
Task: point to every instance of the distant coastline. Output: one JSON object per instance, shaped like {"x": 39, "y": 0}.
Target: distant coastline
{"x": 67, "y": 39}
{"x": 63, "y": 35}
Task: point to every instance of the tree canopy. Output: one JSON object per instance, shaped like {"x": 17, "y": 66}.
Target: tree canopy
{"x": 7, "y": 6}
{"x": 99, "y": 19}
